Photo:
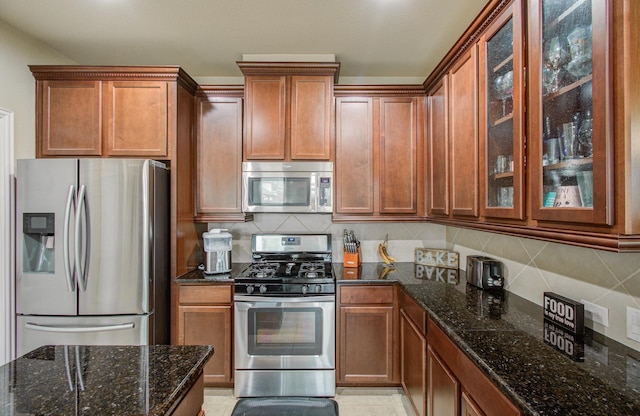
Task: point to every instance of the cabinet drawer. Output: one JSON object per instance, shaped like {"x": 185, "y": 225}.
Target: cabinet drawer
{"x": 200, "y": 294}
{"x": 414, "y": 311}
{"x": 366, "y": 294}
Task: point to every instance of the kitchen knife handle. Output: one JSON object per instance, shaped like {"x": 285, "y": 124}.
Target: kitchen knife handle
{"x": 65, "y": 241}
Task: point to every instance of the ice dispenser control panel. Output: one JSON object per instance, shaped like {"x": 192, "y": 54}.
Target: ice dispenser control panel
{"x": 39, "y": 242}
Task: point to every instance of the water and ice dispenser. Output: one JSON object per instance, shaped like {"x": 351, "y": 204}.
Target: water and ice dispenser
{"x": 39, "y": 242}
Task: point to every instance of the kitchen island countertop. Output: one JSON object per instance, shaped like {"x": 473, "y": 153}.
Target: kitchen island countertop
{"x": 100, "y": 380}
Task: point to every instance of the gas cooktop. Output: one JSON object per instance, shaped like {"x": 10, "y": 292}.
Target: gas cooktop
{"x": 288, "y": 264}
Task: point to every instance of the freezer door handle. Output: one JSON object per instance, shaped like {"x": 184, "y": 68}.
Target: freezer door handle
{"x": 82, "y": 263}
{"x": 75, "y": 329}
{"x": 65, "y": 238}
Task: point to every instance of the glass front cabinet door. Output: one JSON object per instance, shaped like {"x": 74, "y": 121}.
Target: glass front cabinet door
{"x": 571, "y": 172}
{"x": 501, "y": 116}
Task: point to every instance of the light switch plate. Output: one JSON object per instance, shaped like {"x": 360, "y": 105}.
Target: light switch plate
{"x": 596, "y": 313}
{"x": 633, "y": 323}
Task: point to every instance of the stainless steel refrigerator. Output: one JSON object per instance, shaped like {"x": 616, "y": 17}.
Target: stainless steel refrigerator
{"x": 92, "y": 240}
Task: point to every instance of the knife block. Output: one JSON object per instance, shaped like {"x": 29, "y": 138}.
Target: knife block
{"x": 352, "y": 259}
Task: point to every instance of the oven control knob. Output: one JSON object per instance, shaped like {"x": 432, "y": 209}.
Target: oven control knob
{"x": 263, "y": 288}
{"x": 318, "y": 288}
{"x": 305, "y": 288}
{"x": 249, "y": 289}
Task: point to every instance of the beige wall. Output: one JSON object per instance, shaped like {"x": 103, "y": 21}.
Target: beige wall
{"x": 17, "y": 86}
{"x": 611, "y": 280}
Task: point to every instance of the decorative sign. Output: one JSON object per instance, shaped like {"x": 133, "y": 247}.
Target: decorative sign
{"x": 436, "y": 258}
{"x": 568, "y": 343}
{"x": 436, "y": 274}
{"x": 564, "y": 312}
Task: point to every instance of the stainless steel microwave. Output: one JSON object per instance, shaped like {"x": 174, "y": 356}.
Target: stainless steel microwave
{"x": 296, "y": 187}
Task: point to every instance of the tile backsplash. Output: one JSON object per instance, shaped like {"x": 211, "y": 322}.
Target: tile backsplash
{"x": 611, "y": 280}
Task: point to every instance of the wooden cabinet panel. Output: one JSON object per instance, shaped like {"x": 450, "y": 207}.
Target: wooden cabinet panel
{"x": 413, "y": 362}
{"x": 468, "y": 407}
{"x": 265, "y": 109}
{"x": 365, "y": 333}
{"x": 438, "y": 149}
{"x": 219, "y": 157}
{"x": 485, "y": 395}
{"x": 354, "y": 156}
{"x": 136, "y": 116}
{"x": 350, "y": 295}
{"x": 205, "y": 294}
{"x": 443, "y": 387}
{"x": 69, "y": 122}
{"x": 311, "y": 108}
{"x": 205, "y": 318}
{"x": 379, "y": 153}
{"x": 463, "y": 113}
{"x": 398, "y": 154}
{"x": 209, "y": 325}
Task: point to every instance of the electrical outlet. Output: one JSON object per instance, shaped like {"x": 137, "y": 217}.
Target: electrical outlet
{"x": 633, "y": 324}
{"x": 596, "y": 313}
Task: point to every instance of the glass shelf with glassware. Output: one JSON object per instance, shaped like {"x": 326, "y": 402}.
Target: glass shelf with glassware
{"x": 567, "y": 142}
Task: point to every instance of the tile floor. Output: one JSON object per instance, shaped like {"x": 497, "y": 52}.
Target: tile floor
{"x": 351, "y": 402}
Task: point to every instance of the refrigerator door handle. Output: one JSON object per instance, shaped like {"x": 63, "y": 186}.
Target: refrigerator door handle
{"x": 65, "y": 237}
{"x": 74, "y": 329}
{"x": 80, "y": 262}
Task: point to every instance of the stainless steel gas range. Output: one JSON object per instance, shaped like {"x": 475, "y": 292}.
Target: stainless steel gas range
{"x": 285, "y": 318}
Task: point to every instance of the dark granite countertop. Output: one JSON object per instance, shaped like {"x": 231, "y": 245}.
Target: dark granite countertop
{"x": 100, "y": 380}
{"x": 199, "y": 276}
{"x": 543, "y": 371}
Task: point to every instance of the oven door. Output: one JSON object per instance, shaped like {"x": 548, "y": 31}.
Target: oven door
{"x": 284, "y": 333}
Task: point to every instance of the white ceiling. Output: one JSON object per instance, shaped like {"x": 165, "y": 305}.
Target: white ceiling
{"x": 371, "y": 38}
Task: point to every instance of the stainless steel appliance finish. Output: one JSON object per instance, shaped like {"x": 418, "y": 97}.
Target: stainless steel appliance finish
{"x": 485, "y": 272}
{"x": 284, "y": 318}
{"x": 102, "y": 276}
{"x": 287, "y": 187}
{"x": 284, "y": 346}
{"x": 217, "y": 249}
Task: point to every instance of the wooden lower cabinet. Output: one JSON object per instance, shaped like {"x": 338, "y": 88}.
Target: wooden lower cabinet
{"x": 444, "y": 389}
{"x": 456, "y": 384}
{"x": 191, "y": 403}
{"x": 367, "y": 326}
{"x": 413, "y": 352}
{"x": 205, "y": 318}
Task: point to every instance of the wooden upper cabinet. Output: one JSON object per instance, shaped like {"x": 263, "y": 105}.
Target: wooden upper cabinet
{"x": 265, "y": 117}
{"x": 311, "y": 107}
{"x": 136, "y": 116}
{"x": 107, "y": 111}
{"x": 379, "y": 153}
{"x": 219, "y": 154}
{"x": 437, "y": 149}
{"x": 288, "y": 110}
{"x": 70, "y": 118}
{"x": 398, "y": 155}
{"x": 463, "y": 134}
{"x": 570, "y": 100}
{"x": 501, "y": 118}
{"x": 354, "y": 155}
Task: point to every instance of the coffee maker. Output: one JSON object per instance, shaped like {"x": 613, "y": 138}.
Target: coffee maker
{"x": 217, "y": 248}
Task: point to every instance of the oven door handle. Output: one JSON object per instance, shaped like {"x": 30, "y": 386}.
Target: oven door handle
{"x": 283, "y": 299}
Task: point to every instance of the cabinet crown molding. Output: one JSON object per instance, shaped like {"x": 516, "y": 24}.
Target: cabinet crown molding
{"x": 115, "y": 73}
{"x": 290, "y": 68}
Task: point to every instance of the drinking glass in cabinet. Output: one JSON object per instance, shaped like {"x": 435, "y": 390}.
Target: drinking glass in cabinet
{"x": 556, "y": 57}
{"x": 580, "y": 48}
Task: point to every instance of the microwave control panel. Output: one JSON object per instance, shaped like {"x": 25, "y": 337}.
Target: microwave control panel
{"x": 325, "y": 191}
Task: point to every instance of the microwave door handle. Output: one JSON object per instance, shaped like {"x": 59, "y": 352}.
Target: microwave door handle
{"x": 314, "y": 191}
